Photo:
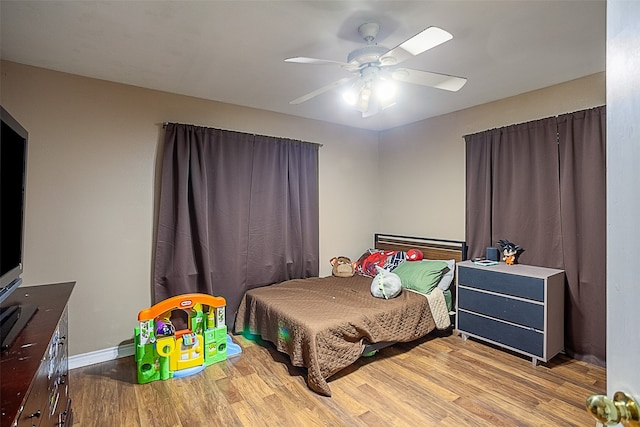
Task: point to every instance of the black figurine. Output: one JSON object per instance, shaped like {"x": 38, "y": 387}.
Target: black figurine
{"x": 510, "y": 251}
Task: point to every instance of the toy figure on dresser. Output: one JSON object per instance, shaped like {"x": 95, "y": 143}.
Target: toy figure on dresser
{"x": 510, "y": 251}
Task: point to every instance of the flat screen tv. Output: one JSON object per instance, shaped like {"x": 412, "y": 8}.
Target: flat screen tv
{"x": 13, "y": 162}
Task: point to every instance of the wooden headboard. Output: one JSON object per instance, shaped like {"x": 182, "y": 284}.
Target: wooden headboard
{"x": 431, "y": 248}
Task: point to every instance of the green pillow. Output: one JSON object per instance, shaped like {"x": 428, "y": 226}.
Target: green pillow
{"x": 421, "y": 276}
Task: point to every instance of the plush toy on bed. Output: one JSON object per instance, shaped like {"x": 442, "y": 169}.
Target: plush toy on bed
{"x": 385, "y": 284}
{"x": 342, "y": 266}
{"x": 414, "y": 255}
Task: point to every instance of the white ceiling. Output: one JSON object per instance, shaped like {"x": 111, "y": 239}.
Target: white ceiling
{"x": 233, "y": 51}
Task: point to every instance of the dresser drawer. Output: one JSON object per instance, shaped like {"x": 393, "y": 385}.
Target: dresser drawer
{"x": 504, "y": 283}
{"x": 524, "y": 313}
{"x": 516, "y": 337}
{"x": 36, "y": 405}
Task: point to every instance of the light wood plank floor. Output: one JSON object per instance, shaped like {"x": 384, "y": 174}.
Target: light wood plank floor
{"x": 442, "y": 381}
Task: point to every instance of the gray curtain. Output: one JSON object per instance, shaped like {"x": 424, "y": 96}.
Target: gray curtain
{"x": 237, "y": 211}
{"x": 542, "y": 185}
{"x": 512, "y": 191}
{"x": 582, "y": 145}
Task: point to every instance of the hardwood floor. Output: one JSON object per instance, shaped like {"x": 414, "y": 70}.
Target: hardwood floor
{"x": 433, "y": 381}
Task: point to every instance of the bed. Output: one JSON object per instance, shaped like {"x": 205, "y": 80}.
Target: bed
{"x": 325, "y": 324}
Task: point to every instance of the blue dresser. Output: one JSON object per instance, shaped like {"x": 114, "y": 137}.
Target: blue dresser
{"x": 518, "y": 307}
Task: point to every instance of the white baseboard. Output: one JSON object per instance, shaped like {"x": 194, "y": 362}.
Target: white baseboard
{"x": 125, "y": 350}
{"x": 99, "y": 356}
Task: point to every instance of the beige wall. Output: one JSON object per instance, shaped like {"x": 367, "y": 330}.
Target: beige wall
{"x": 93, "y": 160}
{"x": 422, "y": 165}
{"x": 91, "y": 187}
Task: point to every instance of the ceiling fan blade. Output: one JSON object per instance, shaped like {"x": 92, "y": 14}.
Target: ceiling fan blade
{"x": 427, "y": 78}
{"x": 316, "y": 61}
{"x": 323, "y": 89}
{"x": 424, "y": 40}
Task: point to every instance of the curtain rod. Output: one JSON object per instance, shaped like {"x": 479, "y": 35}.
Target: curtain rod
{"x": 165, "y": 124}
{"x": 536, "y": 120}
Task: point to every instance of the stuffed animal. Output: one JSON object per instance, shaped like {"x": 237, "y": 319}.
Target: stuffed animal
{"x": 386, "y": 284}
{"x": 414, "y": 255}
{"x": 342, "y": 266}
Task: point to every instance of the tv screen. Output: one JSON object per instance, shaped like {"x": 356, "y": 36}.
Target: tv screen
{"x": 13, "y": 157}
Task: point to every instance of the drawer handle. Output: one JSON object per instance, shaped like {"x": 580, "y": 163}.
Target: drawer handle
{"x": 35, "y": 414}
{"x": 621, "y": 409}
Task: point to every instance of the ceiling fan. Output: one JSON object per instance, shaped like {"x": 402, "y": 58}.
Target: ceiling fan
{"x": 375, "y": 67}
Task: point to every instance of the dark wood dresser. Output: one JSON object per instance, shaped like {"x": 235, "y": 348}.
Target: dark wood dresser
{"x": 519, "y": 307}
{"x": 34, "y": 369}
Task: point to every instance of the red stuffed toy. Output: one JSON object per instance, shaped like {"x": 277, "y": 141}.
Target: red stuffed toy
{"x": 414, "y": 255}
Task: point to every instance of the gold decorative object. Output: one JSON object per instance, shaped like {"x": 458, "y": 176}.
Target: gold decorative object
{"x": 621, "y": 409}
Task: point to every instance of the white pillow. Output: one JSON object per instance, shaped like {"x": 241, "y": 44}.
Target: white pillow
{"x": 447, "y": 278}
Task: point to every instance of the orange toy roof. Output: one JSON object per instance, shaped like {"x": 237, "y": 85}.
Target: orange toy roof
{"x": 182, "y": 302}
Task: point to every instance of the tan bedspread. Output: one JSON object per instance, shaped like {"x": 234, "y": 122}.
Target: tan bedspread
{"x": 324, "y": 323}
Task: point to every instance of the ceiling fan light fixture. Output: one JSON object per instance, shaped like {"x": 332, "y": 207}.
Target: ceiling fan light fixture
{"x": 359, "y": 94}
{"x": 363, "y": 99}
{"x": 370, "y": 94}
{"x": 352, "y": 95}
{"x": 385, "y": 90}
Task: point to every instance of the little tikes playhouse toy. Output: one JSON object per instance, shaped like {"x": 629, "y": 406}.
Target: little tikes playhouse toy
{"x": 163, "y": 353}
